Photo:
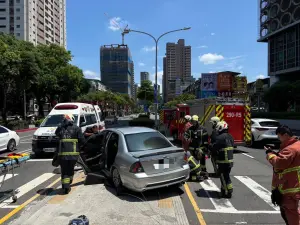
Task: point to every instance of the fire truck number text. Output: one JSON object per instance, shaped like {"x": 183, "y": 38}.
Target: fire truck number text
{"x": 233, "y": 114}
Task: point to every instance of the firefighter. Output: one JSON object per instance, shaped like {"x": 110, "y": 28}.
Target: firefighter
{"x": 70, "y": 137}
{"x": 214, "y": 121}
{"x": 222, "y": 150}
{"x": 195, "y": 169}
{"x": 198, "y": 145}
{"x": 187, "y": 125}
{"x": 286, "y": 181}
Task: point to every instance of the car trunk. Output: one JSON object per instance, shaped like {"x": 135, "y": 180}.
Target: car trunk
{"x": 268, "y": 127}
{"x": 160, "y": 160}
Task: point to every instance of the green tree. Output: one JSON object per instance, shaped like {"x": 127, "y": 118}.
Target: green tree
{"x": 9, "y": 69}
{"x": 180, "y": 99}
{"x": 146, "y": 91}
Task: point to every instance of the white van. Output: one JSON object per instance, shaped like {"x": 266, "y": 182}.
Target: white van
{"x": 86, "y": 115}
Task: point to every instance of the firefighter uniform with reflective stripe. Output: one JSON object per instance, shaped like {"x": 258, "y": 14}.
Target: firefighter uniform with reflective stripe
{"x": 199, "y": 143}
{"x": 222, "y": 149}
{"x": 286, "y": 178}
{"x": 195, "y": 169}
{"x": 70, "y": 136}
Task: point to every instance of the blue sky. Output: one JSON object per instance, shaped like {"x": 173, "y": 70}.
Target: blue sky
{"x": 223, "y": 34}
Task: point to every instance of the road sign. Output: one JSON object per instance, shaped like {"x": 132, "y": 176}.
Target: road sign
{"x": 259, "y": 86}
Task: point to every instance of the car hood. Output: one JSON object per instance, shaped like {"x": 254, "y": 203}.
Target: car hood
{"x": 45, "y": 131}
{"x": 163, "y": 151}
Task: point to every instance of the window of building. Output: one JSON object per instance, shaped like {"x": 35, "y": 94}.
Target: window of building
{"x": 2, "y": 1}
{"x": 18, "y": 10}
{"x": 2, "y": 10}
{"x": 2, "y": 18}
{"x": 18, "y": 26}
{"x": 18, "y": 18}
{"x": 17, "y": 1}
{"x": 2, "y": 26}
{"x": 18, "y": 34}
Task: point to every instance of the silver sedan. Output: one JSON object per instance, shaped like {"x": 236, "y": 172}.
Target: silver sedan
{"x": 140, "y": 159}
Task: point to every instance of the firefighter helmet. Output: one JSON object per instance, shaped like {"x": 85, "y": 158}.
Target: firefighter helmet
{"x": 69, "y": 117}
{"x": 215, "y": 120}
{"x": 221, "y": 126}
{"x": 188, "y": 117}
{"x": 195, "y": 118}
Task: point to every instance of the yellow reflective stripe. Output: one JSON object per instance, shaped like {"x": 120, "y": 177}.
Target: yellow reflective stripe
{"x": 290, "y": 190}
{"x": 205, "y": 143}
{"x": 293, "y": 169}
{"x": 271, "y": 156}
{"x": 69, "y": 140}
{"x": 68, "y": 153}
{"x": 66, "y": 180}
{"x": 229, "y": 186}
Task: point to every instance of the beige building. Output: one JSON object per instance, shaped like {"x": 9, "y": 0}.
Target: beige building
{"x": 37, "y": 21}
{"x": 177, "y": 66}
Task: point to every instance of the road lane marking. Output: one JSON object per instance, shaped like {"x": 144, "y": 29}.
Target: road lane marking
{"x": 18, "y": 209}
{"x": 24, "y": 189}
{"x": 194, "y": 204}
{"x": 248, "y": 155}
{"x": 39, "y": 160}
{"x": 27, "y": 150}
{"x": 10, "y": 206}
{"x": 26, "y": 136}
{"x": 241, "y": 212}
{"x": 221, "y": 205}
{"x": 8, "y": 176}
{"x": 25, "y": 142}
{"x": 259, "y": 190}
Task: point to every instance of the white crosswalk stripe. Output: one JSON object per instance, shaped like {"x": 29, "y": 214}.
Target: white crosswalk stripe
{"x": 24, "y": 189}
{"x": 222, "y": 205}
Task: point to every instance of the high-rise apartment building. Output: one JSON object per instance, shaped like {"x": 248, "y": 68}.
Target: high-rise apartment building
{"x": 177, "y": 66}
{"x": 144, "y": 76}
{"x": 37, "y": 21}
{"x": 117, "y": 68}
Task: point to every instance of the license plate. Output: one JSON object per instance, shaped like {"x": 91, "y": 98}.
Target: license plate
{"x": 49, "y": 149}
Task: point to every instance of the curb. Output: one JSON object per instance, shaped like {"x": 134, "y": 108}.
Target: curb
{"x": 25, "y": 130}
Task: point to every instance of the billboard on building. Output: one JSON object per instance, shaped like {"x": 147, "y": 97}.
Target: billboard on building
{"x": 224, "y": 82}
{"x": 209, "y": 85}
{"x": 239, "y": 84}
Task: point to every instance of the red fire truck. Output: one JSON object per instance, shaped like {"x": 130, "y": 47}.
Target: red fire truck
{"x": 236, "y": 112}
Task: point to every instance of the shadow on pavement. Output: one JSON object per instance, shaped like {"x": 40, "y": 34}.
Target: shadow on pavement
{"x": 207, "y": 194}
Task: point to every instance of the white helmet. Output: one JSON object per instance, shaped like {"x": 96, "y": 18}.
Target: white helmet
{"x": 214, "y": 120}
{"x": 188, "y": 117}
{"x": 221, "y": 126}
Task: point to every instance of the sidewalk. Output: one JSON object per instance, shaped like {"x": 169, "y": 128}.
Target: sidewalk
{"x": 101, "y": 206}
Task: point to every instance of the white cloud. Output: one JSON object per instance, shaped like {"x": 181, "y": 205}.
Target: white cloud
{"x": 149, "y": 49}
{"x": 142, "y": 64}
{"x": 210, "y": 58}
{"x": 202, "y": 46}
{"x": 159, "y": 78}
{"x": 153, "y": 67}
{"x": 260, "y": 76}
{"x": 91, "y": 74}
{"x": 116, "y": 23}
{"x": 213, "y": 34}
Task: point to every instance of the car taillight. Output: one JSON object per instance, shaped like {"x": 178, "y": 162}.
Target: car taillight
{"x": 136, "y": 168}
{"x": 261, "y": 129}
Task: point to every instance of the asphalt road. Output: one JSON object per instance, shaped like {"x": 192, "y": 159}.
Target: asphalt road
{"x": 251, "y": 177}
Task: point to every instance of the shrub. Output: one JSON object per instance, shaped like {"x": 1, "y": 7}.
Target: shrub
{"x": 38, "y": 122}
{"x": 17, "y": 124}
{"x": 276, "y": 115}
{"x": 142, "y": 122}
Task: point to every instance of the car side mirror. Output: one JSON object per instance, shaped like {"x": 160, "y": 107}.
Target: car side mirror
{"x": 82, "y": 124}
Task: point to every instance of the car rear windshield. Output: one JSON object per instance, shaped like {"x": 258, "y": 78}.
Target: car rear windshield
{"x": 55, "y": 120}
{"x": 146, "y": 141}
{"x": 269, "y": 124}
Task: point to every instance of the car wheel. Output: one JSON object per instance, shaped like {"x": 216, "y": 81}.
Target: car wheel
{"x": 11, "y": 146}
{"x": 116, "y": 178}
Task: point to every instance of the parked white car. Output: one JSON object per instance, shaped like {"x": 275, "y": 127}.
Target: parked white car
{"x": 263, "y": 130}
{"x": 9, "y": 140}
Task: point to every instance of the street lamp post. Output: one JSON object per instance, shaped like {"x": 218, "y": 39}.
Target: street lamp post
{"x": 126, "y": 31}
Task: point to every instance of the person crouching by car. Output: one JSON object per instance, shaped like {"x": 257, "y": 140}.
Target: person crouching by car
{"x": 90, "y": 131}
